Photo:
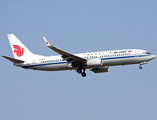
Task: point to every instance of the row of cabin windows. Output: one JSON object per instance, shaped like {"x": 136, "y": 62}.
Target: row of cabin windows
{"x": 115, "y": 55}
{"x": 85, "y": 57}
{"x": 110, "y": 55}
{"x": 107, "y": 53}
{"x": 52, "y": 60}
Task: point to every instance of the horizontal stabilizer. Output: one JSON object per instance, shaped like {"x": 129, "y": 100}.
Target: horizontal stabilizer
{"x": 13, "y": 60}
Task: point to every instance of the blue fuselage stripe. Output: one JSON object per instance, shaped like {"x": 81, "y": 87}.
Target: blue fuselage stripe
{"x": 44, "y": 64}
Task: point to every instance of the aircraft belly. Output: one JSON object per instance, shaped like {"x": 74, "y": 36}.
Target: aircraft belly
{"x": 140, "y": 59}
{"x": 122, "y": 61}
{"x": 49, "y": 67}
{"x": 54, "y": 67}
{"x": 113, "y": 62}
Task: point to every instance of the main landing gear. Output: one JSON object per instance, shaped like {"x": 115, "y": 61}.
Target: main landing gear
{"x": 82, "y": 73}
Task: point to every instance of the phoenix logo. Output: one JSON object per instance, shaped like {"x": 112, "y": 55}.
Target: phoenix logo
{"x": 18, "y": 50}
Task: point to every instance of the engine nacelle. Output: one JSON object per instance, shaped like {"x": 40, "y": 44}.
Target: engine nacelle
{"x": 94, "y": 62}
{"x": 100, "y": 69}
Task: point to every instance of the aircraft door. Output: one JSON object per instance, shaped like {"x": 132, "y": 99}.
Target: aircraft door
{"x": 137, "y": 53}
{"x": 34, "y": 62}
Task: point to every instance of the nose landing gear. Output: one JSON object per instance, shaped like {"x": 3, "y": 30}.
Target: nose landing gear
{"x": 140, "y": 67}
{"x": 143, "y": 63}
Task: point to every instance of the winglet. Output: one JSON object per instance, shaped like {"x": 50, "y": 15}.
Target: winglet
{"x": 46, "y": 42}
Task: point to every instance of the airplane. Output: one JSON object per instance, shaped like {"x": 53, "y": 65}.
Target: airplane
{"x": 98, "y": 62}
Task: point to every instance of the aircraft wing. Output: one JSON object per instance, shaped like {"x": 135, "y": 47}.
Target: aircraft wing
{"x": 75, "y": 60}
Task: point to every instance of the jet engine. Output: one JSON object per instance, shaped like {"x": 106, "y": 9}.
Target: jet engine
{"x": 96, "y": 62}
{"x": 100, "y": 69}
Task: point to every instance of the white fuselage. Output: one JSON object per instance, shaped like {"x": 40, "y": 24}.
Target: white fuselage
{"x": 98, "y": 62}
{"x": 108, "y": 58}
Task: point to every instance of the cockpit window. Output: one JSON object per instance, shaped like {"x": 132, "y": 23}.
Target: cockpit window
{"x": 147, "y": 52}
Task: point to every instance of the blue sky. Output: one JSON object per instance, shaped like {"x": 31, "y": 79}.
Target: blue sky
{"x": 79, "y": 26}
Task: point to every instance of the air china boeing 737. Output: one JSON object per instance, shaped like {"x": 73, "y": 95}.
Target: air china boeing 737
{"x": 97, "y": 62}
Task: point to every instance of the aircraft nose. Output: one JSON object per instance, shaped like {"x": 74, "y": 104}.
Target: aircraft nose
{"x": 153, "y": 56}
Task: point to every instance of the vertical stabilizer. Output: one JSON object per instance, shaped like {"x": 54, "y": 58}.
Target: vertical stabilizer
{"x": 20, "y": 51}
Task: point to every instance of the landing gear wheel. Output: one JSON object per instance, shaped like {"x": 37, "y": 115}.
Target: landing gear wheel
{"x": 140, "y": 67}
{"x": 83, "y": 74}
{"x": 79, "y": 71}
